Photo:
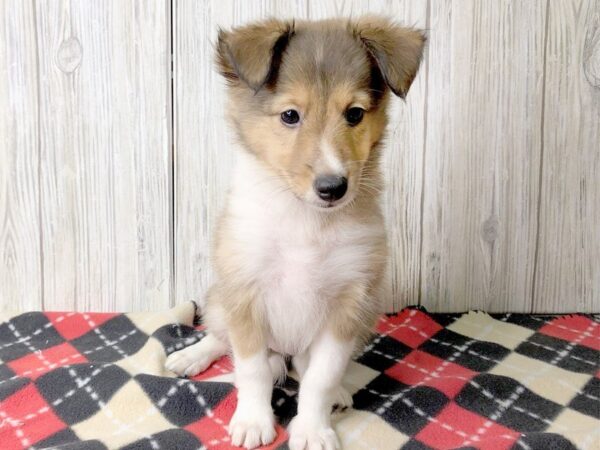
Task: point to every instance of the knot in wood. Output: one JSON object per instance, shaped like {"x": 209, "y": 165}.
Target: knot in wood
{"x": 489, "y": 230}
{"x": 69, "y": 55}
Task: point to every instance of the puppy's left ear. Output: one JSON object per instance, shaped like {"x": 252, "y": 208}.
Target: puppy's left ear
{"x": 397, "y": 50}
{"x": 252, "y": 53}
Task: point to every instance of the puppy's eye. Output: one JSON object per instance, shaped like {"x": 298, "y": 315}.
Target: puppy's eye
{"x": 290, "y": 117}
{"x": 354, "y": 115}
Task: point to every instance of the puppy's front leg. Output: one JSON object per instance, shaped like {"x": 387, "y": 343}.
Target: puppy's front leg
{"x": 311, "y": 428}
{"x": 253, "y": 423}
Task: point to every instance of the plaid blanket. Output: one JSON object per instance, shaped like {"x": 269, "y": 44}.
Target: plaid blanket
{"x": 97, "y": 381}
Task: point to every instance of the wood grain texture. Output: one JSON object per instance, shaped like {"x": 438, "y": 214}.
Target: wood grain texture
{"x": 20, "y": 249}
{"x": 105, "y": 154}
{"x": 492, "y": 163}
{"x": 203, "y": 142}
{"x": 568, "y": 264}
{"x": 484, "y": 113}
{"x": 402, "y": 161}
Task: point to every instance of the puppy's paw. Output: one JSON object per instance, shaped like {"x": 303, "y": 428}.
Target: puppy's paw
{"x": 307, "y": 435}
{"x": 188, "y": 362}
{"x": 251, "y": 429}
{"x": 342, "y": 399}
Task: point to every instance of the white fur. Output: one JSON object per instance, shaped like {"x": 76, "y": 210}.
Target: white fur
{"x": 300, "y": 266}
{"x": 253, "y": 423}
{"x": 342, "y": 399}
{"x": 319, "y": 389}
{"x": 196, "y": 358}
{"x": 330, "y": 159}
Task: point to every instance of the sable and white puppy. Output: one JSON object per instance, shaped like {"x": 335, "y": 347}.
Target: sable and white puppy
{"x": 301, "y": 248}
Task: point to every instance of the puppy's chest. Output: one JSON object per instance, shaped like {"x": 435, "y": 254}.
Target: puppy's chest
{"x": 300, "y": 266}
{"x": 295, "y": 270}
{"x": 300, "y": 271}
{"x": 296, "y": 294}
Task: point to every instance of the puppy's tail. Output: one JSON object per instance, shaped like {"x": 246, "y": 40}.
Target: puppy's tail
{"x": 278, "y": 367}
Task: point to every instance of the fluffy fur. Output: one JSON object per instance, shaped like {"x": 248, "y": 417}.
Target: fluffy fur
{"x": 299, "y": 275}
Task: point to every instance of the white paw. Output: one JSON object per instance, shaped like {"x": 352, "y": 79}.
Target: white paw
{"x": 341, "y": 399}
{"x": 307, "y": 435}
{"x": 251, "y": 429}
{"x": 188, "y": 362}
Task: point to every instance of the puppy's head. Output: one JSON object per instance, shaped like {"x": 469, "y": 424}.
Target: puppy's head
{"x": 308, "y": 99}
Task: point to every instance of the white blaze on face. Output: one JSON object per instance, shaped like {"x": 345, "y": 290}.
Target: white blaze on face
{"x": 330, "y": 160}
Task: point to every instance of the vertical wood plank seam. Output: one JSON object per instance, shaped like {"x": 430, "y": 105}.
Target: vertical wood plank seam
{"x": 172, "y": 100}
{"x": 541, "y": 171}
{"x": 39, "y": 156}
{"x": 423, "y": 162}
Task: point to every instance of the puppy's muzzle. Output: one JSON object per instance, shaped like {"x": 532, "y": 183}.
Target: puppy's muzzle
{"x": 330, "y": 187}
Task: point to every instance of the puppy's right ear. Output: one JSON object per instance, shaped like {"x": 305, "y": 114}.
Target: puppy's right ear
{"x": 252, "y": 53}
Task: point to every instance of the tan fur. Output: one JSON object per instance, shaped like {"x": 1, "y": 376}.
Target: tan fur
{"x": 356, "y": 315}
{"x": 234, "y": 299}
{"x": 320, "y": 69}
{"x": 246, "y": 329}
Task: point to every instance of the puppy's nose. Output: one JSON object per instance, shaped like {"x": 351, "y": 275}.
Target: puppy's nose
{"x": 330, "y": 187}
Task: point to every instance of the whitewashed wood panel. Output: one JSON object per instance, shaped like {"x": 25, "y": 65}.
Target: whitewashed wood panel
{"x": 402, "y": 161}
{"x": 568, "y": 264}
{"x": 105, "y": 154}
{"x": 482, "y": 162}
{"x": 203, "y": 141}
{"x": 493, "y": 195}
{"x": 20, "y": 254}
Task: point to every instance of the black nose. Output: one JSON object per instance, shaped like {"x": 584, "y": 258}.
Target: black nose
{"x": 331, "y": 187}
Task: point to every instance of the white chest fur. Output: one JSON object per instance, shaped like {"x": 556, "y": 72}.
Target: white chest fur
{"x": 300, "y": 265}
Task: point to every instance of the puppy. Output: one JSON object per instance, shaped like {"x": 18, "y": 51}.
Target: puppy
{"x": 300, "y": 250}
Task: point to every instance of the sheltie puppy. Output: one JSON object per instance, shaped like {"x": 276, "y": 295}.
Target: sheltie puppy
{"x": 300, "y": 251}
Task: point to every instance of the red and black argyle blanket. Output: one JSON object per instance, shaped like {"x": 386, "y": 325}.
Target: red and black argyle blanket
{"x": 97, "y": 381}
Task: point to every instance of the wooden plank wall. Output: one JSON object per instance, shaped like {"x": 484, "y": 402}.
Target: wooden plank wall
{"x": 568, "y": 264}
{"x": 482, "y": 156}
{"x": 85, "y": 218}
{"x": 113, "y": 171}
{"x": 20, "y": 246}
